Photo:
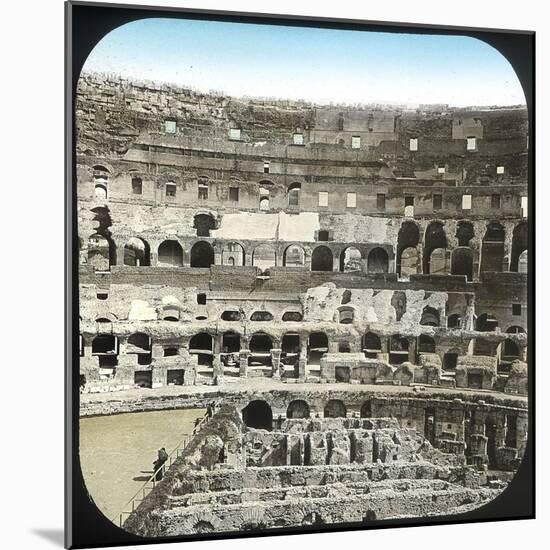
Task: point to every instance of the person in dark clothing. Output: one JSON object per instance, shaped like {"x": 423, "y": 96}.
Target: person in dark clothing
{"x": 159, "y": 462}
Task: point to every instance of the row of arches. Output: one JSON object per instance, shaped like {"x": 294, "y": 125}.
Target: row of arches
{"x": 258, "y": 413}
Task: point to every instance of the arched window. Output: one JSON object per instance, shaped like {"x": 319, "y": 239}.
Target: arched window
{"x": 430, "y": 317}
{"x": 371, "y": 345}
{"x": 170, "y": 313}
{"x": 399, "y": 349}
{"x": 100, "y": 192}
{"x": 101, "y": 252}
{"x": 377, "y": 261}
{"x": 231, "y": 315}
{"x": 407, "y": 240}
{"x": 202, "y": 254}
{"x": 426, "y": 344}
{"x": 317, "y": 346}
{"x": 201, "y": 345}
{"x": 263, "y": 257}
{"x": 257, "y": 414}
{"x": 294, "y": 256}
{"x": 492, "y": 250}
{"x": 464, "y": 233}
{"x": 261, "y": 316}
{"x": 518, "y": 261}
{"x": 204, "y": 223}
{"x": 292, "y": 316}
{"x": 137, "y": 253}
{"x": 335, "y": 409}
{"x": 231, "y": 342}
{"x": 350, "y": 259}
{"x": 298, "y": 409}
{"x": 260, "y": 343}
{"x": 294, "y": 194}
{"x": 462, "y": 262}
{"x": 346, "y": 315}
{"x": 321, "y": 259}
{"x": 170, "y": 254}
{"x": 233, "y": 254}
{"x": 435, "y": 244}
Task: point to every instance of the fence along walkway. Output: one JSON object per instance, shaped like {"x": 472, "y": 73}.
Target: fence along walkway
{"x": 150, "y": 484}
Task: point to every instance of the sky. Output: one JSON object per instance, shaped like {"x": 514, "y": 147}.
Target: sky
{"x": 319, "y": 65}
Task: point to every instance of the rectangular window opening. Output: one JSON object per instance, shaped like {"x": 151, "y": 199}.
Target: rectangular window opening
{"x": 323, "y": 198}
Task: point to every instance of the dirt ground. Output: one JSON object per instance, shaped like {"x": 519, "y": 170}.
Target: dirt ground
{"x": 117, "y": 452}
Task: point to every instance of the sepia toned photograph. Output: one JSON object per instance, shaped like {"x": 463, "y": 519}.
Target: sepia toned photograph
{"x": 303, "y": 263}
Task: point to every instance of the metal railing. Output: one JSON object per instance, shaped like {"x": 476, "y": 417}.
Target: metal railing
{"x": 150, "y": 484}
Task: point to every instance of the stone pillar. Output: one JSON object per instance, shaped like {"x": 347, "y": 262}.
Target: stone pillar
{"x": 412, "y": 350}
{"x": 468, "y": 322}
{"x": 243, "y": 362}
{"x": 276, "y": 368}
{"x": 336, "y": 261}
{"x": 508, "y": 237}
{"x": 120, "y": 255}
{"x": 218, "y": 260}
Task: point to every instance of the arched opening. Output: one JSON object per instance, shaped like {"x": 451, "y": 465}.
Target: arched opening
{"x": 260, "y": 350}
{"x": 294, "y": 194}
{"x": 399, "y": 349}
{"x": 435, "y": 245}
{"x": 100, "y": 192}
{"x": 233, "y": 254}
{"x": 438, "y": 262}
{"x": 231, "y": 342}
{"x": 321, "y": 259}
{"x": 202, "y": 254}
{"x": 430, "y": 317}
{"x": 486, "y": 322}
{"x": 264, "y": 203}
{"x": 518, "y": 261}
{"x": 366, "y": 410}
{"x": 464, "y": 233}
{"x": 515, "y": 330}
{"x": 137, "y": 253}
{"x": 290, "y": 344}
{"x": 298, "y": 409}
{"x": 261, "y": 316}
{"x": 170, "y": 313}
{"x": 346, "y": 315}
{"x": 101, "y": 252}
{"x": 313, "y": 518}
{"x": 139, "y": 342}
{"x": 104, "y": 344}
{"x": 204, "y": 223}
{"x": 335, "y": 409}
{"x": 371, "y": 345}
{"x": 377, "y": 261}
{"x": 407, "y": 241}
{"x": 294, "y": 256}
{"x": 170, "y": 254}
{"x": 201, "y": 345}
{"x": 492, "y": 250}
{"x": 231, "y": 315}
{"x": 292, "y": 316}
{"x": 350, "y": 260}
{"x": 453, "y": 321}
{"x": 462, "y": 262}
{"x": 317, "y": 346}
{"x": 263, "y": 257}
{"x": 426, "y": 344}
{"x": 258, "y": 415}
{"x": 203, "y": 527}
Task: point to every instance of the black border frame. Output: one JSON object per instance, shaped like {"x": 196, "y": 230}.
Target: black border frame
{"x": 85, "y": 24}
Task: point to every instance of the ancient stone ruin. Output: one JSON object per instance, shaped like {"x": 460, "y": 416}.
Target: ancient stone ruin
{"x": 349, "y": 283}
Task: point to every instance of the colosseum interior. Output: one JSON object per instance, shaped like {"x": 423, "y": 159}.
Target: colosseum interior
{"x": 345, "y": 290}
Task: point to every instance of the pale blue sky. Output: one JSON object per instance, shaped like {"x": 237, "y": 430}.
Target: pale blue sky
{"x": 320, "y": 65}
